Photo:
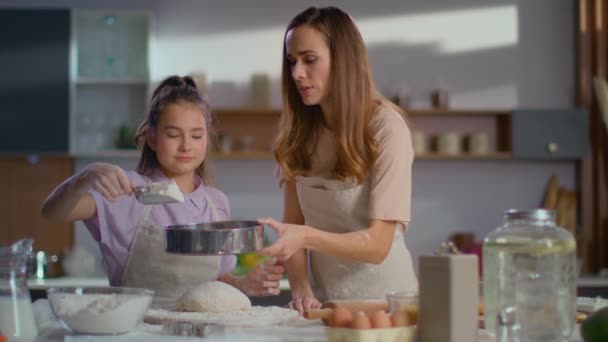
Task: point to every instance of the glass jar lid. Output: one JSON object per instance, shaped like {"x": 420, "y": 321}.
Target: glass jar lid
{"x": 534, "y": 214}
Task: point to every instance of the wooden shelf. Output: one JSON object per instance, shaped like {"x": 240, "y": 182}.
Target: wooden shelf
{"x": 110, "y": 81}
{"x": 233, "y": 155}
{"x": 456, "y": 112}
{"x": 465, "y": 156}
{"x": 267, "y": 155}
{"x": 412, "y": 112}
{"x": 247, "y": 111}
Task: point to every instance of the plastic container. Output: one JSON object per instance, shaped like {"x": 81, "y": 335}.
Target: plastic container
{"x": 401, "y": 334}
{"x": 401, "y": 301}
{"x": 529, "y": 264}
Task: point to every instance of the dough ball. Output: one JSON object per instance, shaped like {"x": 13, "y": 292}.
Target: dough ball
{"x": 213, "y": 296}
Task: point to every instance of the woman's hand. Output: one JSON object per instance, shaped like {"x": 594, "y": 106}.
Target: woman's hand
{"x": 109, "y": 180}
{"x": 303, "y": 302}
{"x": 263, "y": 279}
{"x": 292, "y": 237}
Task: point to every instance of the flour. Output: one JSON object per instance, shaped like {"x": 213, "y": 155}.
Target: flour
{"x": 99, "y": 313}
{"x": 257, "y": 316}
{"x": 159, "y": 193}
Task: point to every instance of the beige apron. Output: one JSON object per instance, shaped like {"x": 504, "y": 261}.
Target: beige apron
{"x": 170, "y": 275}
{"x": 342, "y": 207}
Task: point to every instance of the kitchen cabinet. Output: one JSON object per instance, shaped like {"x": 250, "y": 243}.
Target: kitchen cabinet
{"x": 34, "y": 93}
{"x": 26, "y": 181}
{"x": 109, "y": 76}
{"x": 550, "y": 134}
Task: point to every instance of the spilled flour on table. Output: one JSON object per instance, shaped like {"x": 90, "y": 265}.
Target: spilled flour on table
{"x": 257, "y": 316}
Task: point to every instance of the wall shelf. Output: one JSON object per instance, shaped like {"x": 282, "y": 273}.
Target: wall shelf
{"x": 111, "y": 81}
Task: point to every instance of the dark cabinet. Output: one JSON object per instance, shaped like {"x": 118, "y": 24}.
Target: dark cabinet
{"x": 550, "y": 134}
{"x": 34, "y": 87}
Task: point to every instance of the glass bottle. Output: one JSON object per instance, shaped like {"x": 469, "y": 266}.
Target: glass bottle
{"x": 17, "y": 319}
{"x": 507, "y": 328}
{"x": 529, "y": 264}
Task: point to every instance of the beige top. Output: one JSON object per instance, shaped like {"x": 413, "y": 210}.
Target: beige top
{"x": 391, "y": 175}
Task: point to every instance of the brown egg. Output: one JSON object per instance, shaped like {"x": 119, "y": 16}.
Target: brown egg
{"x": 399, "y": 319}
{"x": 361, "y": 321}
{"x": 412, "y": 314}
{"x": 341, "y": 318}
{"x": 380, "y": 320}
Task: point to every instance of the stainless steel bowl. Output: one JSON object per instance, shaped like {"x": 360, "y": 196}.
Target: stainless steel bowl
{"x": 222, "y": 237}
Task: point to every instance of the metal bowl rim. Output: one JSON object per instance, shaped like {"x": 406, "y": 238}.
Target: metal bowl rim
{"x": 194, "y": 227}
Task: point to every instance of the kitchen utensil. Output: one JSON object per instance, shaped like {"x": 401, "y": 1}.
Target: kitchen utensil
{"x": 479, "y": 143}
{"x": 99, "y": 310}
{"x": 222, "y": 237}
{"x": 158, "y": 193}
{"x": 420, "y": 142}
{"x": 449, "y": 143}
{"x": 601, "y": 91}
{"x": 185, "y": 328}
{"x": 42, "y": 265}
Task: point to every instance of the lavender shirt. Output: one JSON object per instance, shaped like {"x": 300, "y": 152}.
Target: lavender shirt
{"x": 114, "y": 223}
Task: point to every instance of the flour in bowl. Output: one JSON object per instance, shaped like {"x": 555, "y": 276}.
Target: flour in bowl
{"x": 99, "y": 313}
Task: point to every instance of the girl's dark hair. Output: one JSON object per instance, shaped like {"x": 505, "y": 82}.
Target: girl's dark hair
{"x": 172, "y": 90}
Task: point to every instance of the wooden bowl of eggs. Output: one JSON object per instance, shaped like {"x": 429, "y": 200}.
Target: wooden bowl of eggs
{"x": 367, "y": 326}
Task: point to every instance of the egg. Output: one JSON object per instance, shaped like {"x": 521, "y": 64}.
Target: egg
{"x": 399, "y": 319}
{"x": 412, "y": 314}
{"x": 341, "y": 318}
{"x": 380, "y": 320}
{"x": 361, "y": 321}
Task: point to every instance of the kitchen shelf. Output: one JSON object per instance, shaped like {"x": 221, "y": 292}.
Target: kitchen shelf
{"x": 220, "y": 112}
{"x": 111, "y": 82}
{"x": 455, "y": 112}
{"x": 134, "y": 154}
{"x": 261, "y": 155}
{"x": 465, "y": 156}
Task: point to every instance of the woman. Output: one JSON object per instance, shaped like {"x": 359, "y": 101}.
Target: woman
{"x": 345, "y": 158}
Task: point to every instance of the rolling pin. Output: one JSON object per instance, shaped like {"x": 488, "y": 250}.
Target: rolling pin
{"x": 367, "y": 306}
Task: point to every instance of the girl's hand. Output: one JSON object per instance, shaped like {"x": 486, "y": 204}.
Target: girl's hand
{"x": 263, "y": 279}
{"x": 292, "y": 237}
{"x": 109, "y": 180}
{"x": 302, "y": 303}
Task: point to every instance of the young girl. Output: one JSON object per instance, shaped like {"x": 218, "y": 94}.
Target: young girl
{"x": 174, "y": 142}
{"x": 346, "y": 156}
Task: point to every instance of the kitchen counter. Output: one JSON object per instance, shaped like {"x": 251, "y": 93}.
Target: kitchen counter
{"x": 43, "y": 284}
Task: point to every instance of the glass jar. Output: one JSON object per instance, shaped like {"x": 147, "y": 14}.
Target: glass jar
{"x": 16, "y": 316}
{"x": 529, "y": 264}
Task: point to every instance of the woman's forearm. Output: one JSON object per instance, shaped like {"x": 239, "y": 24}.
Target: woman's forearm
{"x": 296, "y": 269}
{"x": 369, "y": 245}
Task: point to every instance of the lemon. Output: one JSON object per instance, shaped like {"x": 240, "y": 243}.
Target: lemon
{"x": 595, "y": 327}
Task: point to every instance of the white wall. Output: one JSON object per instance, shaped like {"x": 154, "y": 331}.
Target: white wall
{"x": 487, "y": 53}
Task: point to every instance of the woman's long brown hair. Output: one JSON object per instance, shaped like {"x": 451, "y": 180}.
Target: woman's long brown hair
{"x": 352, "y": 97}
{"x": 172, "y": 90}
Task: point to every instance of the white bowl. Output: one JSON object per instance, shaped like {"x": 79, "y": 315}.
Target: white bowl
{"x": 99, "y": 310}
